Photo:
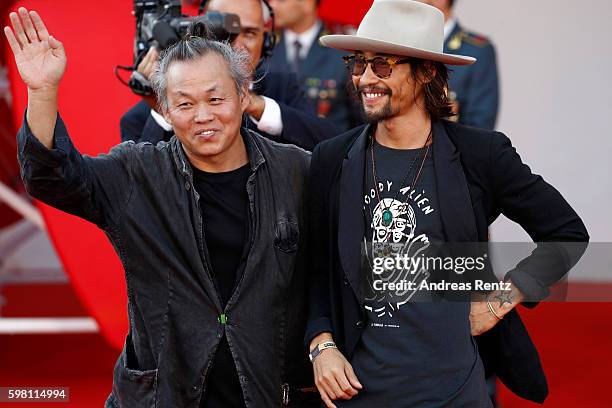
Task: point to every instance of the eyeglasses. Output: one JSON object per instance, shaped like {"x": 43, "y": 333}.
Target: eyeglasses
{"x": 381, "y": 66}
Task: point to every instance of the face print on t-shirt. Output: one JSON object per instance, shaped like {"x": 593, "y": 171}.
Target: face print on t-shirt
{"x": 400, "y": 224}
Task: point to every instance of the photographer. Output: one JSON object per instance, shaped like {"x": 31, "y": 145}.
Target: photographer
{"x": 179, "y": 215}
{"x": 278, "y": 108}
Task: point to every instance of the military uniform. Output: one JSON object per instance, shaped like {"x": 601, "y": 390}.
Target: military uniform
{"x": 325, "y": 80}
{"x": 474, "y": 87}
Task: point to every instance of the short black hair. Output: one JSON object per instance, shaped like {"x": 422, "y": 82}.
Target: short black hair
{"x": 450, "y": 2}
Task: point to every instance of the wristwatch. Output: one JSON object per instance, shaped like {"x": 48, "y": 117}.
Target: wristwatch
{"x": 319, "y": 348}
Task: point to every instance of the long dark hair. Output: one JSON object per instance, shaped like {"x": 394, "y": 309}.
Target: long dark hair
{"x": 434, "y": 78}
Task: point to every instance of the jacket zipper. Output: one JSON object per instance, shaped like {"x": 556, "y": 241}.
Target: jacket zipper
{"x": 204, "y": 251}
{"x": 285, "y": 388}
{"x": 251, "y": 221}
{"x": 230, "y": 302}
{"x": 221, "y": 318}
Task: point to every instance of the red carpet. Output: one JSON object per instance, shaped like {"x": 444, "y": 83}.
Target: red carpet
{"x": 574, "y": 341}
{"x": 40, "y": 300}
{"x": 84, "y": 363}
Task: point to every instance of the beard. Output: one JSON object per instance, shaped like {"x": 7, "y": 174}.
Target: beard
{"x": 374, "y": 116}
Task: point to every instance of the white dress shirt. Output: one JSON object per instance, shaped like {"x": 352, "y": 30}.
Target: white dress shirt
{"x": 449, "y": 26}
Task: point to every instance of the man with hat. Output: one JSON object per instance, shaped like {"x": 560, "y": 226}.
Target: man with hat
{"x": 407, "y": 181}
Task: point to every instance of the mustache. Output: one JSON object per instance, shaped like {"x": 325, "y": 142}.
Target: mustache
{"x": 369, "y": 89}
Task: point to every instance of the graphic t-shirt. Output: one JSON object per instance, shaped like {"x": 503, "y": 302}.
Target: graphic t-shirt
{"x": 416, "y": 349}
{"x": 224, "y": 206}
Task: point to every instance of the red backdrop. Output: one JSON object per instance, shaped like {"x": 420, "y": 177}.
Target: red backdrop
{"x": 97, "y": 36}
{"x": 9, "y": 170}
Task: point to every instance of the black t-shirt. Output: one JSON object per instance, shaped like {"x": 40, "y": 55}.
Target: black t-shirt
{"x": 413, "y": 352}
{"x": 224, "y": 206}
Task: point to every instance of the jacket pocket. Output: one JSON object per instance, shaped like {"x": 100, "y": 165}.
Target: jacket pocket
{"x": 132, "y": 387}
{"x": 287, "y": 236}
{"x": 286, "y": 246}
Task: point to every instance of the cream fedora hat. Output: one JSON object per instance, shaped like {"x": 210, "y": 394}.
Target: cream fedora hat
{"x": 400, "y": 27}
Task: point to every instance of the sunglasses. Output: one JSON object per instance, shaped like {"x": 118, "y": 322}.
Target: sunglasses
{"x": 381, "y": 66}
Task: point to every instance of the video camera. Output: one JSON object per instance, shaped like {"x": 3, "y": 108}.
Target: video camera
{"x": 161, "y": 23}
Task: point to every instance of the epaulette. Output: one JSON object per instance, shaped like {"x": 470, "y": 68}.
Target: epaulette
{"x": 278, "y": 35}
{"x": 336, "y": 28}
{"x": 475, "y": 39}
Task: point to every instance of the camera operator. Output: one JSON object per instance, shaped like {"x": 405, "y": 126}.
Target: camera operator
{"x": 278, "y": 108}
{"x": 213, "y": 251}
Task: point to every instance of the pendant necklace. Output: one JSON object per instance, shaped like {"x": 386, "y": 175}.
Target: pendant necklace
{"x": 387, "y": 215}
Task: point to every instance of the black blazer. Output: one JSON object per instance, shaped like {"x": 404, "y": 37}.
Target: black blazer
{"x": 301, "y": 126}
{"x": 478, "y": 175}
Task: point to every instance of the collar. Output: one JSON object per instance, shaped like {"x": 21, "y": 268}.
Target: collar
{"x": 442, "y": 146}
{"x": 256, "y": 157}
{"x": 449, "y": 26}
{"x": 306, "y": 39}
{"x": 360, "y": 143}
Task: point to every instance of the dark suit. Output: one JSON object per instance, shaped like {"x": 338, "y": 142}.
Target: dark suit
{"x": 301, "y": 127}
{"x": 478, "y": 176}
{"x": 325, "y": 79}
{"x": 475, "y": 86}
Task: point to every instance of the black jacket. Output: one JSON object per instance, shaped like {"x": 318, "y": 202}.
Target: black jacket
{"x": 142, "y": 196}
{"x": 478, "y": 175}
{"x": 301, "y": 126}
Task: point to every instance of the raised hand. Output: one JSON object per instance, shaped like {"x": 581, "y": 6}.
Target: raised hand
{"x": 40, "y": 58}
{"x": 41, "y": 62}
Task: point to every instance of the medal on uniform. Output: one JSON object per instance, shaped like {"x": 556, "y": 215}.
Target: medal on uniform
{"x": 455, "y": 42}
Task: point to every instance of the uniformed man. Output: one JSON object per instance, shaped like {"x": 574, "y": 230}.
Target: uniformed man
{"x": 475, "y": 88}
{"x": 320, "y": 69}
